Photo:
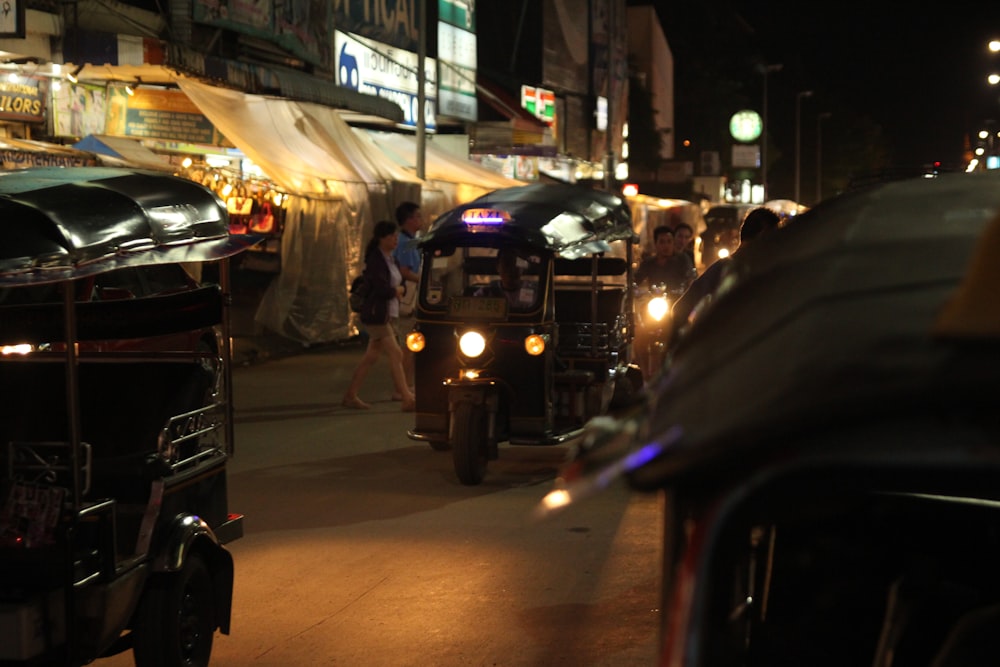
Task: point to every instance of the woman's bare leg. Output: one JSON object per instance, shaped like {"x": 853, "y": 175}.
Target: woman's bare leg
{"x": 351, "y": 399}
{"x": 395, "y": 356}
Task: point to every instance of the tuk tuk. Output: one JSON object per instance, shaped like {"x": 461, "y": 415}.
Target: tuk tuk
{"x": 524, "y": 321}
{"x": 826, "y": 442}
{"x": 116, "y": 419}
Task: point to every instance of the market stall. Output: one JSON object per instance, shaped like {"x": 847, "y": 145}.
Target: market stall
{"x": 336, "y": 189}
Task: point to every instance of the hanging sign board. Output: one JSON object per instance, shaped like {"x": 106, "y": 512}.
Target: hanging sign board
{"x": 154, "y": 113}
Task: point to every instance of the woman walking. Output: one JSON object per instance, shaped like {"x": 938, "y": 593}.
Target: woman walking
{"x": 379, "y": 314}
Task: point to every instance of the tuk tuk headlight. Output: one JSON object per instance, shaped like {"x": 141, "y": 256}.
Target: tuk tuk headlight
{"x": 723, "y": 253}
{"x": 415, "y": 341}
{"x": 18, "y": 348}
{"x": 657, "y": 308}
{"x": 472, "y": 344}
{"x": 534, "y": 344}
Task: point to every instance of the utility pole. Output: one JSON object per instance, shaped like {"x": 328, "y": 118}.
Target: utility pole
{"x": 798, "y": 138}
{"x": 765, "y": 70}
{"x": 421, "y": 90}
{"x": 609, "y": 157}
{"x": 819, "y": 154}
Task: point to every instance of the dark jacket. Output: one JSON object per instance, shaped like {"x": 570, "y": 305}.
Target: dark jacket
{"x": 376, "y": 307}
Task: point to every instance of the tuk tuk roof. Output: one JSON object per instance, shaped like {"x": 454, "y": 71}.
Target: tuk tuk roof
{"x": 567, "y": 219}
{"x": 874, "y": 306}
{"x": 63, "y": 223}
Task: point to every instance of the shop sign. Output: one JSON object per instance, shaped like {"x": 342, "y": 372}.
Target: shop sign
{"x": 12, "y": 24}
{"x": 459, "y": 13}
{"x": 746, "y": 155}
{"x": 155, "y": 113}
{"x": 540, "y": 102}
{"x": 14, "y": 159}
{"x": 377, "y": 69}
{"x": 457, "y": 82}
{"x": 303, "y": 28}
{"x": 392, "y": 22}
{"x": 745, "y": 125}
{"x": 21, "y": 98}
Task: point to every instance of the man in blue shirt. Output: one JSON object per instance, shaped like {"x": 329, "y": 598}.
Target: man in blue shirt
{"x": 410, "y": 221}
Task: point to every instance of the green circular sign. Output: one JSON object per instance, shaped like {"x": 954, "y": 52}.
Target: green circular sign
{"x": 745, "y": 125}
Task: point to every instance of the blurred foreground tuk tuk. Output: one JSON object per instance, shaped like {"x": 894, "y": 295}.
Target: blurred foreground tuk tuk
{"x": 116, "y": 419}
{"x": 826, "y": 439}
{"x": 524, "y": 321}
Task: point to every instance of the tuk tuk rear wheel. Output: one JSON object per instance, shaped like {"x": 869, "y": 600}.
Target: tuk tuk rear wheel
{"x": 175, "y": 621}
{"x": 469, "y": 443}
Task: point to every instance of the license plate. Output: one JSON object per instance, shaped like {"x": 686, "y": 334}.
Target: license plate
{"x": 477, "y": 307}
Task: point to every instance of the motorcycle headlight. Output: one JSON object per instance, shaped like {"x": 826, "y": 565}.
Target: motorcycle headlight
{"x": 472, "y": 344}
{"x": 415, "y": 341}
{"x": 723, "y": 253}
{"x": 658, "y": 307}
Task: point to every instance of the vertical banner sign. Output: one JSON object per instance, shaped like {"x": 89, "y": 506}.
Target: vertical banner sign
{"x": 12, "y": 19}
{"x": 457, "y": 59}
{"x": 373, "y": 68}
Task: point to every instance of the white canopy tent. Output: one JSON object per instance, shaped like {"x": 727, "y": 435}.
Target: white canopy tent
{"x": 336, "y": 191}
{"x": 340, "y": 181}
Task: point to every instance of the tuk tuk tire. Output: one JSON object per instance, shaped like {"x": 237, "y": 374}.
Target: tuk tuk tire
{"x": 175, "y": 622}
{"x": 469, "y": 443}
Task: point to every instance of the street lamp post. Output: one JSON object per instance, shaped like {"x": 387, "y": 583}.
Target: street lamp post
{"x": 765, "y": 70}
{"x": 819, "y": 154}
{"x": 798, "y": 138}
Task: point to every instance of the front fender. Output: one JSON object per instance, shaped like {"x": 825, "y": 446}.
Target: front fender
{"x": 189, "y": 533}
{"x": 479, "y": 391}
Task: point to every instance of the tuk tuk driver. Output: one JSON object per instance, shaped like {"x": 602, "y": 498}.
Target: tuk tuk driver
{"x": 510, "y": 285}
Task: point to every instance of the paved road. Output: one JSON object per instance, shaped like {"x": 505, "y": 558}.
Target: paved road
{"x": 361, "y": 547}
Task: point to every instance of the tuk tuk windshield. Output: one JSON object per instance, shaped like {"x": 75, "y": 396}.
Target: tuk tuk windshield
{"x": 484, "y": 282}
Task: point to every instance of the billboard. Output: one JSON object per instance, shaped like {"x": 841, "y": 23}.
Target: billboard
{"x": 373, "y": 68}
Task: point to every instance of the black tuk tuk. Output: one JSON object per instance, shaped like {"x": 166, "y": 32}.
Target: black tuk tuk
{"x": 115, "y": 423}
{"x": 826, "y": 441}
{"x": 524, "y": 320}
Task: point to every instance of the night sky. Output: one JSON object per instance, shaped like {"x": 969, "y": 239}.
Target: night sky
{"x": 918, "y": 73}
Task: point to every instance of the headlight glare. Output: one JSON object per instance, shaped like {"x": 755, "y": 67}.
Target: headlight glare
{"x": 19, "y": 348}
{"x": 472, "y": 344}
{"x": 658, "y": 307}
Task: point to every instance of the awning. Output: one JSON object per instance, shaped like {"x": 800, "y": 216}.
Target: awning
{"x": 23, "y": 153}
{"x": 129, "y": 150}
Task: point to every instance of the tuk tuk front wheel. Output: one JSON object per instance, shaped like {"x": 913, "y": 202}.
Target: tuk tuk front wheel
{"x": 469, "y": 442}
{"x": 175, "y": 621}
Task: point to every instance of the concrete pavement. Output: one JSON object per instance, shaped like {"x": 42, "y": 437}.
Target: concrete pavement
{"x": 362, "y": 548}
